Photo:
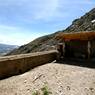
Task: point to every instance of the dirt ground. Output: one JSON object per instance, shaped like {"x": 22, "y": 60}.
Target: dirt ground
{"x": 61, "y": 79}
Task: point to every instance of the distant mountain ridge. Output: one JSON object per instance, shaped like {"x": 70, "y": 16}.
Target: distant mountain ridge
{"x": 48, "y": 42}
{"x": 5, "y": 48}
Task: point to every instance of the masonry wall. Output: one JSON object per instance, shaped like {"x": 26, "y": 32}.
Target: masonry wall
{"x": 16, "y": 64}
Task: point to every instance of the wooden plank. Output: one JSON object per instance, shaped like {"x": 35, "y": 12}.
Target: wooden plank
{"x": 89, "y": 49}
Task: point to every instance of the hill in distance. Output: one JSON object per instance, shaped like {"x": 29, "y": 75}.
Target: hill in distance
{"x": 48, "y": 42}
{"x": 4, "y": 48}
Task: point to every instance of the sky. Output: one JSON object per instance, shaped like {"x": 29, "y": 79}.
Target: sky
{"x": 21, "y": 21}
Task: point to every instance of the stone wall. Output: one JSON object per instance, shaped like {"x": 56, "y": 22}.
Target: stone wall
{"x": 17, "y": 64}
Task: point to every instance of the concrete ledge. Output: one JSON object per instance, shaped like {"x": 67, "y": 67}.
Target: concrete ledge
{"x": 16, "y": 64}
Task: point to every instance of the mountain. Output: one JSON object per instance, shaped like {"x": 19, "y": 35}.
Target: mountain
{"x": 4, "y": 48}
{"x": 48, "y": 42}
{"x": 43, "y": 43}
{"x": 84, "y": 23}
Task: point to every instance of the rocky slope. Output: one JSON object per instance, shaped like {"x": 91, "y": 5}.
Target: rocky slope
{"x": 84, "y": 23}
{"x": 44, "y": 43}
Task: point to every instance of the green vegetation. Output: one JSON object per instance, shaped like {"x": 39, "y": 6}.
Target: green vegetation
{"x": 44, "y": 90}
{"x": 36, "y": 93}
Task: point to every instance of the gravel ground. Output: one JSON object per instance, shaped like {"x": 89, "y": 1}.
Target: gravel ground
{"x": 61, "y": 79}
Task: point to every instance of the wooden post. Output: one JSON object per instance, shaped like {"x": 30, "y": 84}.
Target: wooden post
{"x": 89, "y": 49}
{"x": 60, "y": 51}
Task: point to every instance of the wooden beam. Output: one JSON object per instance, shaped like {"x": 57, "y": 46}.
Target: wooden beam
{"x": 60, "y": 49}
{"x": 89, "y": 49}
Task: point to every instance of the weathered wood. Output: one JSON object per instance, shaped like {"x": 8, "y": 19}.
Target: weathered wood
{"x": 76, "y": 36}
{"x": 89, "y": 49}
{"x": 81, "y": 44}
{"x": 60, "y": 49}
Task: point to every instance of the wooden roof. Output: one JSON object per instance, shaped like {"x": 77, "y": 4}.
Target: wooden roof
{"x": 76, "y": 36}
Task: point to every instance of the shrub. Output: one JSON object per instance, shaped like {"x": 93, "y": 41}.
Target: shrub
{"x": 44, "y": 90}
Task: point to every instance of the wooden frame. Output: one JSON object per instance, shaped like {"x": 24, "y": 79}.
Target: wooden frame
{"x": 79, "y": 44}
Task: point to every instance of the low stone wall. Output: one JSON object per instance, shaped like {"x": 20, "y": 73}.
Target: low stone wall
{"x": 16, "y": 64}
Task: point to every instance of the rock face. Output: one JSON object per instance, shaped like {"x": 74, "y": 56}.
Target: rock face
{"x": 48, "y": 42}
{"x": 84, "y": 23}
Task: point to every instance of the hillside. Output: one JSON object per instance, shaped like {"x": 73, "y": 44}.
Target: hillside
{"x": 84, "y": 23}
{"x": 4, "y": 48}
{"x": 44, "y": 43}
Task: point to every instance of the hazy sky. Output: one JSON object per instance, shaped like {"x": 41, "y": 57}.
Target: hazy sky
{"x": 21, "y": 21}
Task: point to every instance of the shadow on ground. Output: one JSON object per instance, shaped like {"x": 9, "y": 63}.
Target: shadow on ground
{"x": 78, "y": 62}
